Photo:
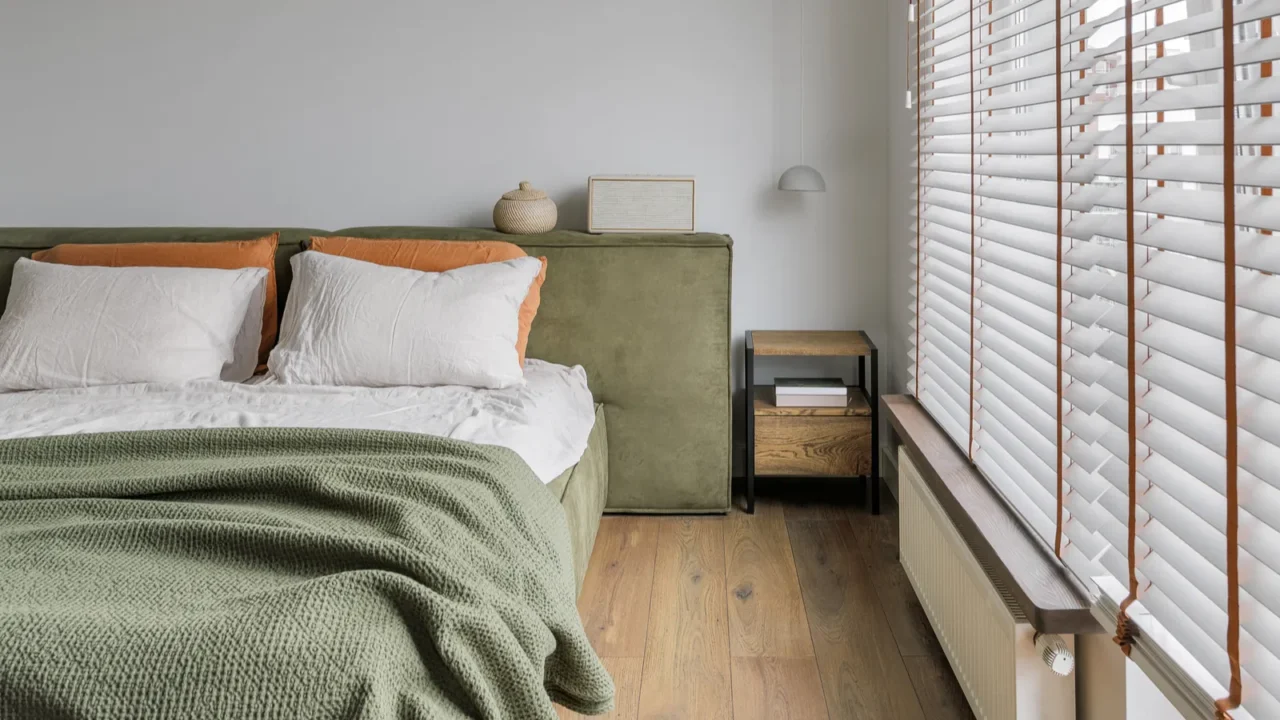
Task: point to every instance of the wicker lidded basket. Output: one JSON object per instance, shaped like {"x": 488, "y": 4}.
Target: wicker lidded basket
{"x": 526, "y": 211}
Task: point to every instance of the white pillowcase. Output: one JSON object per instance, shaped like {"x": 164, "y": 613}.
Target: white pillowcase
{"x": 349, "y": 322}
{"x": 69, "y": 326}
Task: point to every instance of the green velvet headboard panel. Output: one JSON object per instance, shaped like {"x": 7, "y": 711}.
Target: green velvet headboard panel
{"x": 646, "y": 315}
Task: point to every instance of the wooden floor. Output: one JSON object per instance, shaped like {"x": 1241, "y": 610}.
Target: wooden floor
{"x": 800, "y": 611}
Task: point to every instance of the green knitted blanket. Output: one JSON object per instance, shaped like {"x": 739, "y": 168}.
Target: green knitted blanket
{"x": 283, "y": 573}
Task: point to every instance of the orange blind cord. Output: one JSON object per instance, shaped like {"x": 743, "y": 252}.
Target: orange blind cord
{"x": 1057, "y": 108}
{"x": 1057, "y": 102}
{"x": 919, "y": 189}
{"x": 1267, "y": 109}
{"x": 973, "y": 233}
{"x": 1234, "y": 688}
{"x": 1124, "y": 631}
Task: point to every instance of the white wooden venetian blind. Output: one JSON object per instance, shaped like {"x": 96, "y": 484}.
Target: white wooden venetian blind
{"x": 1085, "y": 326}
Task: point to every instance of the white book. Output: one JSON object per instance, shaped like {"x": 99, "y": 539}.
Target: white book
{"x": 811, "y": 401}
{"x": 810, "y": 386}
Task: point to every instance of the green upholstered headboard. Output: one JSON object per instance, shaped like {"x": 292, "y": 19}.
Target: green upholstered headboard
{"x": 646, "y": 315}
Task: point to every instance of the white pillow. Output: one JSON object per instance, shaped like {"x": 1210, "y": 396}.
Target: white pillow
{"x": 349, "y": 322}
{"x": 70, "y": 326}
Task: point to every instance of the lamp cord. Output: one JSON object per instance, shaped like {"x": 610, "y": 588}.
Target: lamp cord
{"x": 801, "y": 82}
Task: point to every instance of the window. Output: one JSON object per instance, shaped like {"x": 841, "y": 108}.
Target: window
{"x": 1085, "y": 327}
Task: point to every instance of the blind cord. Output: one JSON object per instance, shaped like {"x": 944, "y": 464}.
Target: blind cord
{"x": 802, "y": 93}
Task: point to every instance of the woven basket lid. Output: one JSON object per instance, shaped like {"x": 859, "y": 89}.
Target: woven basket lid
{"x": 526, "y": 192}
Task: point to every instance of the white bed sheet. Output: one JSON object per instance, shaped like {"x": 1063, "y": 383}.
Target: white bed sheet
{"x": 546, "y": 421}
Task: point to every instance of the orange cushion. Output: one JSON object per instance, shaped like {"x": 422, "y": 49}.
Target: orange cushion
{"x": 231, "y": 255}
{"x": 440, "y": 256}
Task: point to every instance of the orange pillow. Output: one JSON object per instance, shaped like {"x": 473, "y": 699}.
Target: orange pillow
{"x": 231, "y": 255}
{"x": 440, "y": 256}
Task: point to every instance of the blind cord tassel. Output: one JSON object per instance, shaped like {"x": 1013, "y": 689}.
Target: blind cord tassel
{"x": 1124, "y": 628}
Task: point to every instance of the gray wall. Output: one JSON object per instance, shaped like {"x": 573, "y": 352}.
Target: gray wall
{"x": 331, "y": 113}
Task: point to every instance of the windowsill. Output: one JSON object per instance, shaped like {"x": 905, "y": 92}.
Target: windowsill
{"x": 1048, "y": 596}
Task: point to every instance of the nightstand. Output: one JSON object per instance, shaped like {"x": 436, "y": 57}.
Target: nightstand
{"x": 837, "y": 442}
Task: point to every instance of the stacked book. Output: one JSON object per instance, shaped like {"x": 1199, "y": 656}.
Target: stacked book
{"x": 810, "y": 392}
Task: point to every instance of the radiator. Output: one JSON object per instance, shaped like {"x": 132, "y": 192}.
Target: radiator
{"x": 989, "y": 643}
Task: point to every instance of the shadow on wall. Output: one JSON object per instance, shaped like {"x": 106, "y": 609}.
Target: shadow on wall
{"x": 781, "y": 204}
{"x": 572, "y": 209}
{"x": 479, "y": 218}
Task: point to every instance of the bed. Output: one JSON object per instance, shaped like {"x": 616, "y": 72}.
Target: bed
{"x": 255, "y": 501}
{"x": 572, "y": 462}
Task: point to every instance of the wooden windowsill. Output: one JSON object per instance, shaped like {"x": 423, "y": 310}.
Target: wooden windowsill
{"x": 1045, "y": 591}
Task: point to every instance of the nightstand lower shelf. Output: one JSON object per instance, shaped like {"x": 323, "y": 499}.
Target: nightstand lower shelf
{"x": 811, "y": 441}
{"x": 812, "y": 446}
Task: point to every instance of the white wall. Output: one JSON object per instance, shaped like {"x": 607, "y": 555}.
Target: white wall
{"x": 333, "y": 113}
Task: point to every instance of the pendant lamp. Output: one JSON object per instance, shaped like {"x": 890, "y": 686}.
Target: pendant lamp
{"x": 802, "y": 178}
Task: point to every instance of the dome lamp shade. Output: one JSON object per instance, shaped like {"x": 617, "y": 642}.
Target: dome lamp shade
{"x": 802, "y": 178}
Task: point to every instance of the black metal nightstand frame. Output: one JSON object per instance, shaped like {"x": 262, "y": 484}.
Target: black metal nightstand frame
{"x": 872, "y": 396}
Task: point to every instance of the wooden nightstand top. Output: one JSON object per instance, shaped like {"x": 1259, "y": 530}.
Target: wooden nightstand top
{"x": 810, "y": 343}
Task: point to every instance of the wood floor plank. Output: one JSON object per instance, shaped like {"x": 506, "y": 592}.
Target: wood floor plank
{"x": 863, "y": 675}
{"x": 626, "y": 683}
{"x": 777, "y": 689}
{"x": 614, "y": 603}
{"x": 940, "y": 694}
{"x": 686, "y": 670}
{"x": 878, "y": 545}
{"x": 766, "y": 613}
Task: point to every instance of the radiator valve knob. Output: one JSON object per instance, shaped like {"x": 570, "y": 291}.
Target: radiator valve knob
{"x": 1055, "y": 653}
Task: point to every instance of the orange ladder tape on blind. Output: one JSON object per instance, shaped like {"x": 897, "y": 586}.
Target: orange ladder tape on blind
{"x": 1124, "y": 633}
{"x": 919, "y": 191}
{"x": 973, "y": 233}
{"x": 1057, "y": 103}
{"x": 1234, "y": 688}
